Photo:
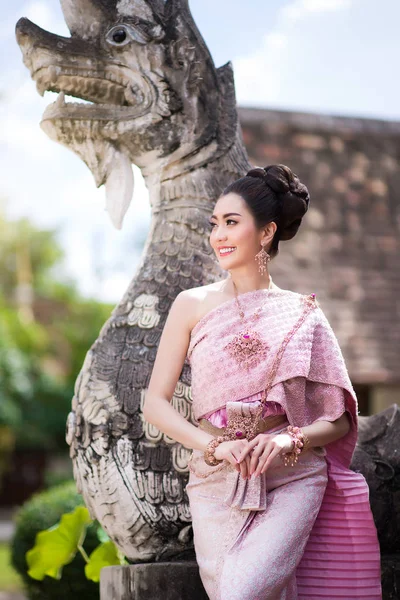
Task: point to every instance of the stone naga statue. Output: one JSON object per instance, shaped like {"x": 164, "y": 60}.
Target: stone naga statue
{"x": 155, "y": 99}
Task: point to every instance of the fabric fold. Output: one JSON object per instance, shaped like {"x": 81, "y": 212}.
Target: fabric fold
{"x": 245, "y": 494}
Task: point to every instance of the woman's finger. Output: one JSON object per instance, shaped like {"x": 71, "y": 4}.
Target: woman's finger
{"x": 255, "y": 456}
{"x": 245, "y": 468}
{"x": 265, "y": 461}
{"x": 246, "y": 465}
{"x": 242, "y": 466}
{"x": 247, "y": 449}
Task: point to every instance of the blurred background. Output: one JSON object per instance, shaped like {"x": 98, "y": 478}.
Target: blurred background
{"x": 317, "y": 89}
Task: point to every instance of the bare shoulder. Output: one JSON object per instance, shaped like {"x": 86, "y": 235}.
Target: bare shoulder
{"x": 200, "y": 300}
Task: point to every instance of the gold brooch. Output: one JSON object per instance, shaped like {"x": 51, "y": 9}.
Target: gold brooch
{"x": 247, "y": 348}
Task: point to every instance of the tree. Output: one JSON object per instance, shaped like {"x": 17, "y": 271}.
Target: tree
{"x": 46, "y": 328}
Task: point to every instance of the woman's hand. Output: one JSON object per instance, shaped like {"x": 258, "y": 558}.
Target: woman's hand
{"x": 263, "y": 449}
{"x": 231, "y": 451}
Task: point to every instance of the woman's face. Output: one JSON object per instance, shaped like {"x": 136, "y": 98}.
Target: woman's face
{"x": 236, "y": 230}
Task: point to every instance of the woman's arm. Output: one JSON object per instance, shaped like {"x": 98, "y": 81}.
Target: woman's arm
{"x": 159, "y": 412}
{"x": 167, "y": 368}
{"x": 323, "y": 432}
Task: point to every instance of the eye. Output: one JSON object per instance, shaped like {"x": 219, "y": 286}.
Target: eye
{"x": 227, "y": 220}
{"x": 123, "y": 34}
{"x": 119, "y": 36}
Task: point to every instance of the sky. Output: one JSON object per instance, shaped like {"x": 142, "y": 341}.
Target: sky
{"x": 334, "y": 57}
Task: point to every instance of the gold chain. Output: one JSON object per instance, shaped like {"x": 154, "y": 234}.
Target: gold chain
{"x": 258, "y": 311}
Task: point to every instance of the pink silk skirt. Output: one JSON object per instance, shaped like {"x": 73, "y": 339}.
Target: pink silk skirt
{"x": 245, "y": 553}
{"x": 295, "y": 533}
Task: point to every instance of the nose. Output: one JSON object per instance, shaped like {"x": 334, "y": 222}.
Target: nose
{"x": 218, "y": 236}
{"x": 219, "y": 233}
{"x": 221, "y": 239}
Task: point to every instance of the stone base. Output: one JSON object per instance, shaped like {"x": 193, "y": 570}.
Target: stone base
{"x": 152, "y": 581}
{"x": 181, "y": 581}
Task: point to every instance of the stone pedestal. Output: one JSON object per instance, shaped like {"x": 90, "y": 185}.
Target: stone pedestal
{"x": 152, "y": 581}
{"x": 181, "y": 581}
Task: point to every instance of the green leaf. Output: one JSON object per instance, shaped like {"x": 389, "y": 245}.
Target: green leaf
{"x": 56, "y": 547}
{"x": 101, "y": 534}
{"x": 105, "y": 555}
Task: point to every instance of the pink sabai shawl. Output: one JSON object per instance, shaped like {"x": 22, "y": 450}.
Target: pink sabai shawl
{"x": 342, "y": 557}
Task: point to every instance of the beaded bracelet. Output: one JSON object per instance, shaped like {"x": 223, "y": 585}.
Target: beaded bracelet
{"x": 210, "y": 450}
{"x": 301, "y": 443}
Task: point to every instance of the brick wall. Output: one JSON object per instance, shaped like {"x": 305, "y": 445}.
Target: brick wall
{"x": 348, "y": 247}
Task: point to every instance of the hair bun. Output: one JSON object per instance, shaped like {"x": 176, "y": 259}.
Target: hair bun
{"x": 289, "y": 190}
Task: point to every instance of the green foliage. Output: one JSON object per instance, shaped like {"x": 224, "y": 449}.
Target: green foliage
{"x": 56, "y": 551}
{"x": 57, "y": 476}
{"x": 40, "y": 358}
{"x": 31, "y": 338}
{"x": 57, "y": 546}
{"x": 32, "y": 403}
{"x": 14, "y": 375}
{"x": 41, "y": 512}
{"x": 105, "y": 555}
{"x": 78, "y": 327}
{"x": 21, "y": 240}
{"x": 10, "y": 581}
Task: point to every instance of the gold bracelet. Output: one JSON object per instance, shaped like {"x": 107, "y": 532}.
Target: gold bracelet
{"x": 300, "y": 443}
{"x": 210, "y": 450}
{"x": 306, "y": 441}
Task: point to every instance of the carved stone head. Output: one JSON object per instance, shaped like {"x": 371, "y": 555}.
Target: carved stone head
{"x": 152, "y": 91}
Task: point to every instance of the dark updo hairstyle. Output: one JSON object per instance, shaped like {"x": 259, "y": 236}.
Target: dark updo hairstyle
{"x": 273, "y": 193}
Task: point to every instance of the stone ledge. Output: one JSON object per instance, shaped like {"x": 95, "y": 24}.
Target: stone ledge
{"x": 181, "y": 581}
{"x": 152, "y": 581}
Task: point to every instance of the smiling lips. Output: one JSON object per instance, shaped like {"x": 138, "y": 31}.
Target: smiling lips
{"x": 226, "y": 251}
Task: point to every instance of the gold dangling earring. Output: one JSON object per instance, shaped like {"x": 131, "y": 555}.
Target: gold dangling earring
{"x": 263, "y": 258}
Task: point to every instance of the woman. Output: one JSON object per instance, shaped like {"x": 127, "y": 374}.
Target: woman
{"x": 277, "y": 514}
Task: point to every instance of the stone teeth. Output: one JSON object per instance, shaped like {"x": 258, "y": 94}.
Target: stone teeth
{"x": 41, "y": 87}
{"x": 60, "y": 100}
{"x": 52, "y": 74}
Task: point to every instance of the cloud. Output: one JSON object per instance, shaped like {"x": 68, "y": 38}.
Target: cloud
{"x": 327, "y": 56}
{"x": 302, "y": 8}
{"x": 258, "y": 76}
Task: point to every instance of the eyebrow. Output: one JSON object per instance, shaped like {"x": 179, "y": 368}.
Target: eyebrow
{"x": 226, "y": 215}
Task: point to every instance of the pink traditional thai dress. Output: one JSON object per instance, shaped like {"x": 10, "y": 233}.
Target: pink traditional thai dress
{"x": 303, "y": 532}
